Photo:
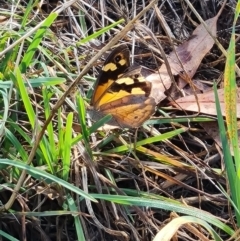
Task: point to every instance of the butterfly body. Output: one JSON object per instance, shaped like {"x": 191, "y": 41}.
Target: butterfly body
{"x": 122, "y": 91}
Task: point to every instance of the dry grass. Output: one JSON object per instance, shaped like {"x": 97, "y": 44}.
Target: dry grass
{"x": 166, "y": 165}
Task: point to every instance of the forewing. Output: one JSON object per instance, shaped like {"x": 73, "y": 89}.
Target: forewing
{"x": 116, "y": 64}
{"x": 130, "y": 83}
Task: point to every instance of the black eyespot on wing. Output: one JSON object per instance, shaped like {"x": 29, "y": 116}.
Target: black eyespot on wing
{"x": 116, "y": 63}
{"x": 119, "y": 59}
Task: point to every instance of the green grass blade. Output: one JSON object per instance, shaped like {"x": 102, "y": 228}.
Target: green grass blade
{"x": 60, "y": 134}
{"x": 100, "y": 32}
{"x": 78, "y": 226}
{"x": 230, "y": 98}
{"x": 27, "y": 12}
{"x": 93, "y": 128}
{"x": 67, "y": 147}
{"x": 49, "y": 178}
{"x": 44, "y": 145}
{"x": 45, "y": 213}
{"x": 230, "y": 95}
{"x": 82, "y": 118}
{"x": 42, "y": 81}
{"x": 148, "y": 141}
{"x": 17, "y": 145}
{"x": 100, "y": 123}
{"x": 17, "y": 79}
{"x": 46, "y": 99}
{"x": 229, "y": 163}
{"x": 83, "y": 23}
{"x": 7, "y": 236}
{"x": 4, "y": 95}
{"x": 166, "y": 205}
{"x": 27, "y": 58}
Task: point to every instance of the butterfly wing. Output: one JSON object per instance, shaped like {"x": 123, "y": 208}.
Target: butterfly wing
{"x": 122, "y": 91}
{"x": 128, "y": 100}
{"x": 130, "y": 111}
{"x": 116, "y": 64}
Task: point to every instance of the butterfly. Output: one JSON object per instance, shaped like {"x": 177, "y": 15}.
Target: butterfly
{"x": 122, "y": 91}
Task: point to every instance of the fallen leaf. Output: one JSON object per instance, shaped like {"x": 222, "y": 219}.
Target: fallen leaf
{"x": 188, "y": 56}
{"x": 213, "y": 130}
{"x": 206, "y": 103}
{"x": 159, "y": 85}
{"x": 190, "y": 53}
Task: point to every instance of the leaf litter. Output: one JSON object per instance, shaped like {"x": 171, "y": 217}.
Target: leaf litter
{"x": 122, "y": 174}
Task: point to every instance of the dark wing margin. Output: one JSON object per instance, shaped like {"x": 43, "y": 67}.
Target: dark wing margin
{"x": 116, "y": 64}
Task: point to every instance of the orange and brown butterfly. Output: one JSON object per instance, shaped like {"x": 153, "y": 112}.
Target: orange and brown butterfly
{"x": 122, "y": 91}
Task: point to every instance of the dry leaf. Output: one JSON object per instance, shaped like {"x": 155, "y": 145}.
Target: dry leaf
{"x": 206, "y": 103}
{"x": 159, "y": 85}
{"x": 213, "y": 130}
{"x": 51, "y": 191}
{"x": 189, "y": 54}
